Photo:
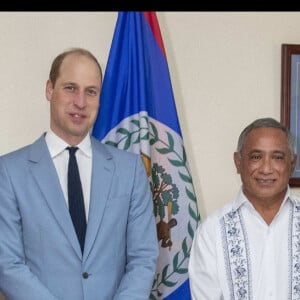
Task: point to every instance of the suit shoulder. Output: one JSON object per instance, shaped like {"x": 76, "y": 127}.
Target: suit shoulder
{"x": 113, "y": 151}
{"x": 118, "y": 151}
{"x": 15, "y": 153}
{"x": 22, "y": 152}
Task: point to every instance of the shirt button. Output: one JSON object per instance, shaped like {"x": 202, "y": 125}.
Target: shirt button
{"x": 85, "y": 275}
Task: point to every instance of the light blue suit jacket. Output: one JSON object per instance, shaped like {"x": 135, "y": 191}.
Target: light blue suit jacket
{"x": 40, "y": 256}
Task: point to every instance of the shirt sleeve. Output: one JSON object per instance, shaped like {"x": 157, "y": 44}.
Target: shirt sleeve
{"x": 203, "y": 274}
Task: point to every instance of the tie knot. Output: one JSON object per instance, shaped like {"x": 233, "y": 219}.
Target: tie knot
{"x": 72, "y": 150}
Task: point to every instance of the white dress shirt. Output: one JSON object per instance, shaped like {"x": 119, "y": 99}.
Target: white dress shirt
{"x": 267, "y": 249}
{"x": 60, "y": 156}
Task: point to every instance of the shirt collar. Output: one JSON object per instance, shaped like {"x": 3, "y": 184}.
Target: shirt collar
{"x": 57, "y": 145}
{"x": 241, "y": 199}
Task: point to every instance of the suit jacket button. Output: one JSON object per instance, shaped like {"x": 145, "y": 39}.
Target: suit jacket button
{"x": 85, "y": 275}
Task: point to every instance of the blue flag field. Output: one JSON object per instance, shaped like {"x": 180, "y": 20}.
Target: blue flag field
{"x": 138, "y": 114}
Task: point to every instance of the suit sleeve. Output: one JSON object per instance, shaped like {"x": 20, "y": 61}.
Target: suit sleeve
{"x": 142, "y": 245}
{"x": 16, "y": 280}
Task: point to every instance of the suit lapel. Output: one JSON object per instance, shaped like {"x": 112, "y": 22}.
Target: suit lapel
{"x": 44, "y": 173}
{"x": 102, "y": 173}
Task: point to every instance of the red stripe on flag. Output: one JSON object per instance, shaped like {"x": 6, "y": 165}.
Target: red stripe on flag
{"x": 153, "y": 22}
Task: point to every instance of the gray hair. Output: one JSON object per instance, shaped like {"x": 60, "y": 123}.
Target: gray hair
{"x": 267, "y": 123}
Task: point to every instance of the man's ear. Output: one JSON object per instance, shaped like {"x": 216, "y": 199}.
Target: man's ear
{"x": 237, "y": 161}
{"x": 293, "y": 164}
{"x": 49, "y": 90}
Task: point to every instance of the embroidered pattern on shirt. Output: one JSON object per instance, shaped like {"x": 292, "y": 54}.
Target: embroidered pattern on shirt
{"x": 237, "y": 259}
{"x": 294, "y": 241}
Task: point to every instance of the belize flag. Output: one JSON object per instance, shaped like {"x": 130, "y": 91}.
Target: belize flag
{"x": 138, "y": 114}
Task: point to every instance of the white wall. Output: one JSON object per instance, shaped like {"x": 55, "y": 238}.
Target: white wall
{"x": 225, "y": 69}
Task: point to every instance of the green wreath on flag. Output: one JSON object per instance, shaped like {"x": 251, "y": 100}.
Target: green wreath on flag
{"x": 165, "y": 193}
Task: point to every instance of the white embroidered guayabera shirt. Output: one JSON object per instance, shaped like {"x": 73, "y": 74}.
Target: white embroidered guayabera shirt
{"x": 237, "y": 256}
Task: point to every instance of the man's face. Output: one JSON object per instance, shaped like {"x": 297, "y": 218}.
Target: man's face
{"x": 74, "y": 100}
{"x": 265, "y": 165}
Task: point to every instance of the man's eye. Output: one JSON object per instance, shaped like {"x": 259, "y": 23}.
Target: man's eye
{"x": 70, "y": 88}
{"x": 92, "y": 92}
{"x": 278, "y": 157}
{"x": 255, "y": 157}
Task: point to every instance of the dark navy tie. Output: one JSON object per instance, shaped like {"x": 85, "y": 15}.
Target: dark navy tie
{"x": 75, "y": 196}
